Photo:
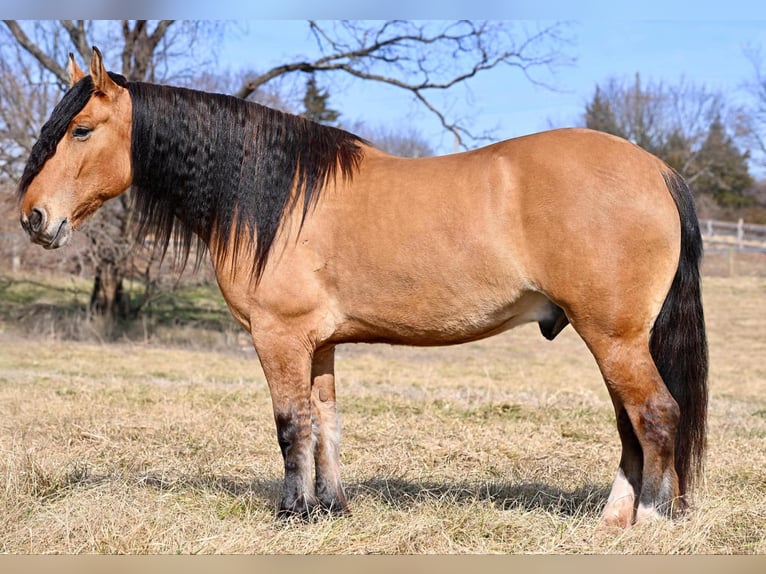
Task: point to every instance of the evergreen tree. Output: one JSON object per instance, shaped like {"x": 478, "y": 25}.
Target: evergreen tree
{"x": 315, "y": 104}
{"x": 599, "y": 115}
{"x": 725, "y": 174}
{"x": 677, "y": 152}
{"x": 626, "y": 111}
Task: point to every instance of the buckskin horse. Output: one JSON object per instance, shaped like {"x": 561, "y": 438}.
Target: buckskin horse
{"x": 318, "y": 238}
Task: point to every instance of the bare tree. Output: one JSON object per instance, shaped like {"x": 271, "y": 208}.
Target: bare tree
{"x": 670, "y": 120}
{"x": 756, "y": 113}
{"x": 648, "y": 113}
{"x": 33, "y": 58}
{"x": 20, "y": 110}
{"x": 426, "y": 58}
{"x": 27, "y": 92}
{"x": 401, "y": 141}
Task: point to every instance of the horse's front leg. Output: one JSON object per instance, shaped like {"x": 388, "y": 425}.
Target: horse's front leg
{"x": 286, "y": 364}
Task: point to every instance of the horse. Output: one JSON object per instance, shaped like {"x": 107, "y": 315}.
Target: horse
{"x": 319, "y": 239}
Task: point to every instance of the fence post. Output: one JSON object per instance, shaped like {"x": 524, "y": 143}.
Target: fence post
{"x": 740, "y": 233}
{"x": 15, "y": 258}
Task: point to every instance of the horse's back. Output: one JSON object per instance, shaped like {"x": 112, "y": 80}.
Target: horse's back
{"x": 531, "y": 202}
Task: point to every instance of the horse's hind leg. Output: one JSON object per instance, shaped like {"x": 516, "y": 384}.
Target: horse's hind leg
{"x": 647, "y": 420}
{"x": 324, "y": 417}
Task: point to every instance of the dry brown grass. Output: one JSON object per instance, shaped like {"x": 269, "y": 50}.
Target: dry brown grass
{"x": 507, "y": 445}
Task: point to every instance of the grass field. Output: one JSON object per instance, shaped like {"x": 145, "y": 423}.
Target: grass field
{"x": 507, "y": 445}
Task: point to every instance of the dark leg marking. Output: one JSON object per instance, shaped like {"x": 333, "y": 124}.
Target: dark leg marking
{"x": 295, "y": 502}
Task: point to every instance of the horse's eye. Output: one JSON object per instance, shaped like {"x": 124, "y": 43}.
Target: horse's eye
{"x": 81, "y": 132}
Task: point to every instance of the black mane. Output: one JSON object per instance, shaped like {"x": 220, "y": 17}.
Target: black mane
{"x": 210, "y": 164}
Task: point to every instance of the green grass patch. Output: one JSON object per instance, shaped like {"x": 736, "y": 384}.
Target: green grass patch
{"x": 58, "y": 307}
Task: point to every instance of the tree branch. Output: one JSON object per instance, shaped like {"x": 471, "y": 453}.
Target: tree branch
{"x": 410, "y": 57}
{"x": 160, "y": 31}
{"x": 47, "y": 62}
{"x": 140, "y": 47}
{"x": 252, "y": 85}
{"x": 79, "y": 37}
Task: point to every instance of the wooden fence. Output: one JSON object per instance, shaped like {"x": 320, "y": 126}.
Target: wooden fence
{"x": 730, "y": 236}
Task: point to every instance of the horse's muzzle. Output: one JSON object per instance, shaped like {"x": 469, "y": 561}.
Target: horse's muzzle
{"x": 49, "y": 234}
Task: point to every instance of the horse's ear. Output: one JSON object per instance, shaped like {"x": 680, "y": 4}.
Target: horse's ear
{"x": 102, "y": 83}
{"x": 75, "y": 72}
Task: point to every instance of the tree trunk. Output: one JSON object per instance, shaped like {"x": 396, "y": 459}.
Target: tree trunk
{"x": 108, "y": 297}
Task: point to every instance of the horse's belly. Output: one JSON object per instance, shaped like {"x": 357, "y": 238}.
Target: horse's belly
{"x": 427, "y": 323}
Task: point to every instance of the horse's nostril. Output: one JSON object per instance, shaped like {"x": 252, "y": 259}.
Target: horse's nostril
{"x": 36, "y": 218}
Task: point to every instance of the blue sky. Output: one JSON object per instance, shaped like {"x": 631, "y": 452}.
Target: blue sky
{"x": 646, "y": 9}
{"x": 702, "y": 41}
{"x": 709, "y": 52}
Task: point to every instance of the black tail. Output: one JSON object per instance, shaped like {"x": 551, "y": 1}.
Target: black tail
{"x": 678, "y": 343}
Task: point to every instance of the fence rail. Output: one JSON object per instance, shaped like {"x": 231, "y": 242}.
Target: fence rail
{"x": 727, "y": 236}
